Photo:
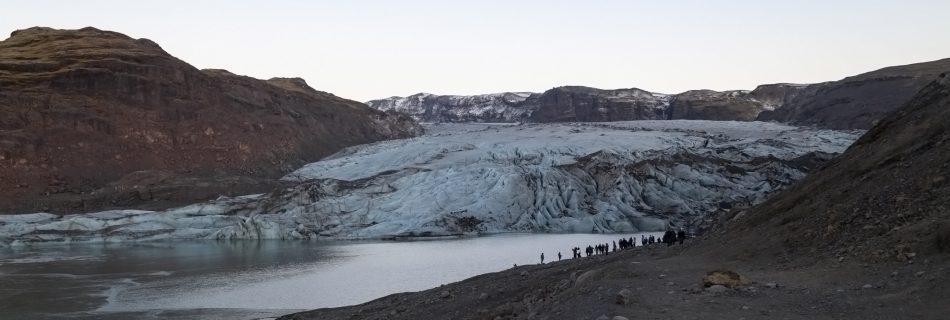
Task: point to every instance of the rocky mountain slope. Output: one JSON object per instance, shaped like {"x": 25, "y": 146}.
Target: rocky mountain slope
{"x": 886, "y": 199}
{"x": 858, "y": 101}
{"x": 851, "y": 103}
{"x": 94, "y": 119}
{"x": 468, "y": 179}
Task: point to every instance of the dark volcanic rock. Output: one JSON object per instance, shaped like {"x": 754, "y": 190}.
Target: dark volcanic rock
{"x": 81, "y": 110}
{"x": 733, "y": 105}
{"x": 857, "y": 102}
{"x": 573, "y": 103}
{"x": 714, "y": 105}
{"x": 883, "y": 199}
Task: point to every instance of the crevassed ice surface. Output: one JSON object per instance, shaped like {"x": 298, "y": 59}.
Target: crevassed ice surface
{"x": 489, "y": 178}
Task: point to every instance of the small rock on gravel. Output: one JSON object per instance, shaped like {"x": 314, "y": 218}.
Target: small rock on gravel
{"x": 603, "y": 317}
{"x": 771, "y": 285}
{"x": 620, "y": 318}
{"x": 624, "y": 297}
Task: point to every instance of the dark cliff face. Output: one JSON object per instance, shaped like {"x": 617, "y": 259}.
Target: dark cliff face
{"x": 857, "y": 102}
{"x": 714, "y": 105}
{"x": 590, "y": 104}
{"x": 81, "y": 110}
{"x": 735, "y": 105}
{"x": 885, "y": 197}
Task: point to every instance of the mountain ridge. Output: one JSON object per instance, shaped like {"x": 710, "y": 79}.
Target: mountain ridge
{"x": 854, "y": 102}
{"x": 93, "y": 119}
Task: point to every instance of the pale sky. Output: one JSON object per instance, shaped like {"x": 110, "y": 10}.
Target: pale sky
{"x": 374, "y": 49}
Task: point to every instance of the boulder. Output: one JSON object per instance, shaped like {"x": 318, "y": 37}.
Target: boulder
{"x": 625, "y": 297}
{"x": 726, "y": 278}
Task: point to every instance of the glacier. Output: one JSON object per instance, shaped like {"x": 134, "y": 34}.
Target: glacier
{"x": 471, "y": 179}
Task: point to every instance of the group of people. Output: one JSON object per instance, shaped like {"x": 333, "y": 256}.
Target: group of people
{"x": 669, "y": 238}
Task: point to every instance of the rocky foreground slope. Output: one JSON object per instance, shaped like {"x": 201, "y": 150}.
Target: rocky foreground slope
{"x": 93, "y": 119}
{"x": 865, "y": 237}
{"x": 886, "y": 199}
{"x": 481, "y": 179}
{"x": 852, "y": 103}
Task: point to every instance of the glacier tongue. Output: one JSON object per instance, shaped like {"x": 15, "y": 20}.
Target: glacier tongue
{"x": 489, "y": 178}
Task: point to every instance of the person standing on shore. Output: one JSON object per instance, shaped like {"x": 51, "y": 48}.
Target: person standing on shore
{"x": 542, "y": 258}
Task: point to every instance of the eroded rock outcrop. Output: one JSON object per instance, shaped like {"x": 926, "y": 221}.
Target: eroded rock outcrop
{"x": 574, "y": 103}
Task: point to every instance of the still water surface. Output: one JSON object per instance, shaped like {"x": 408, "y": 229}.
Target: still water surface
{"x": 249, "y": 279}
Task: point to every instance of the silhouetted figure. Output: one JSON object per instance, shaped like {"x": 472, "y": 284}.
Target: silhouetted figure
{"x": 542, "y": 258}
{"x": 681, "y": 235}
{"x": 669, "y": 237}
{"x": 615, "y": 246}
{"x": 558, "y": 256}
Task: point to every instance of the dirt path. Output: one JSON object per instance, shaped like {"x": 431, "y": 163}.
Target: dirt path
{"x": 664, "y": 284}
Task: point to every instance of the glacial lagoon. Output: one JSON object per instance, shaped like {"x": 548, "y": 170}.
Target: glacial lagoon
{"x": 249, "y": 279}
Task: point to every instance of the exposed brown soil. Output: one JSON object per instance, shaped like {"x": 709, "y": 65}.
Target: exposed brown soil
{"x": 84, "y": 112}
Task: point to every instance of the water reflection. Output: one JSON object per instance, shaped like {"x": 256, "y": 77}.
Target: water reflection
{"x": 114, "y": 279}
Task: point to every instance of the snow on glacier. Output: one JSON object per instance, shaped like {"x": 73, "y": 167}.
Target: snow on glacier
{"x": 487, "y": 178}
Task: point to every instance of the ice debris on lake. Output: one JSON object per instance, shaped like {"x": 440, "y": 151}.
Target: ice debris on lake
{"x": 488, "y": 178}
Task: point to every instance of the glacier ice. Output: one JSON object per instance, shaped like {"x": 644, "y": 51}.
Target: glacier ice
{"x": 465, "y": 179}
